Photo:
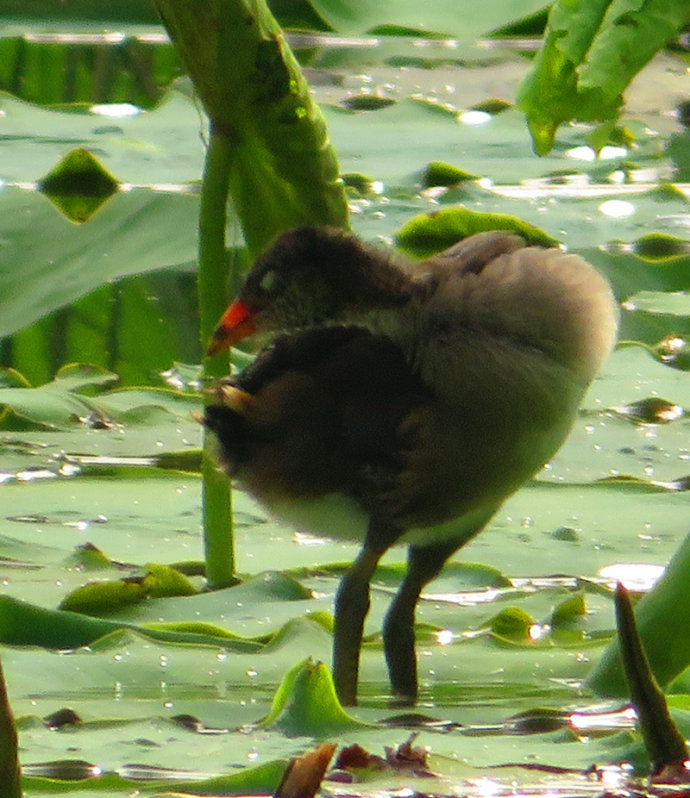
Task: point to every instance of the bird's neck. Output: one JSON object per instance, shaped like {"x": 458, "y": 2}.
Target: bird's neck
{"x": 401, "y": 322}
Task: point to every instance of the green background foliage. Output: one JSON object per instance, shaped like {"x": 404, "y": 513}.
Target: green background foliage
{"x": 108, "y": 454}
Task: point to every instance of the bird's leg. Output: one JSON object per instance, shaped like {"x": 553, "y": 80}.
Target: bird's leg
{"x": 423, "y": 564}
{"x": 351, "y": 608}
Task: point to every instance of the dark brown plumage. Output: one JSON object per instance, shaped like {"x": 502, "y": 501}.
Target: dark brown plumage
{"x": 403, "y": 403}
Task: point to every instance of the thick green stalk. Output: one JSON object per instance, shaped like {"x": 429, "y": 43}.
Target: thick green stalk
{"x": 284, "y": 172}
{"x": 216, "y": 493}
{"x": 269, "y": 150}
{"x": 9, "y": 761}
{"x": 664, "y": 743}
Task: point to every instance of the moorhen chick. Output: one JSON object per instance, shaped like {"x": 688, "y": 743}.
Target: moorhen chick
{"x": 402, "y": 403}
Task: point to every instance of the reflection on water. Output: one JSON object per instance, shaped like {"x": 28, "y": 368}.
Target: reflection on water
{"x": 637, "y": 577}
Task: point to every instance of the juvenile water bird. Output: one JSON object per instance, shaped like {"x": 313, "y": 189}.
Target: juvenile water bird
{"x": 402, "y": 403}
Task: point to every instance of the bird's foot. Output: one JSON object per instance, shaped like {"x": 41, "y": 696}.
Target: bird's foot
{"x": 399, "y": 701}
{"x": 232, "y": 397}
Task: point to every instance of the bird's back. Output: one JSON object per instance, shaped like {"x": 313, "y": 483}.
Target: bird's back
{"x": 507, "y": 345}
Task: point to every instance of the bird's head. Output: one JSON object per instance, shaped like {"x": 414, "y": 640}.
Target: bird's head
{"x": 308, "y": 277}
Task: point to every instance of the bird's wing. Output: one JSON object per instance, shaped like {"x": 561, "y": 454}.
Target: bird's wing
{"x": 320, "y": 413}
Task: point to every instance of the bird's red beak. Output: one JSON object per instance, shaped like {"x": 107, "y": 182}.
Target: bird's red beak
{"x": 236, "y": 324}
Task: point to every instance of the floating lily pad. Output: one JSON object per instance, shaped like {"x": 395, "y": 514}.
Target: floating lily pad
{"x": 426, "y": 235}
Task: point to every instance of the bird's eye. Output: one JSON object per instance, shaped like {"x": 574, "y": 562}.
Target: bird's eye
{"x": 268, "y": 281}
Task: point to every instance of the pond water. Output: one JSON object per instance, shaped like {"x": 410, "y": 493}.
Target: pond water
{"x": 118, "y": 293}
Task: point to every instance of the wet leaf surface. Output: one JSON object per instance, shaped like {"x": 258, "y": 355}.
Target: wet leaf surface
{"x": 93, "y": 477}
